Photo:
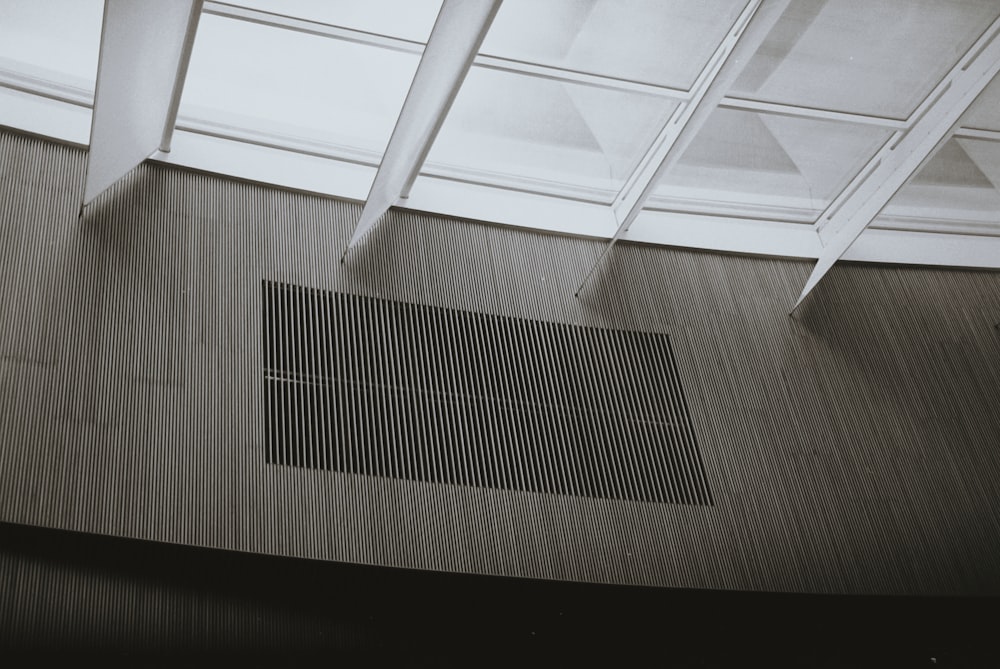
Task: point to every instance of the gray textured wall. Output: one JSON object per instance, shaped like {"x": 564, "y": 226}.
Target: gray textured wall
{"x": 853, "y": 448}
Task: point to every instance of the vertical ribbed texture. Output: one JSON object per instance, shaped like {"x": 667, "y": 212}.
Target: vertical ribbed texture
{"x": 579, "y": 425}
{"x": 852, "y": 448}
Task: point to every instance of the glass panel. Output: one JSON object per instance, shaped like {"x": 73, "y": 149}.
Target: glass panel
{"x": 543, "y": 134}
{"x": 56, "y": 40}
{"x": 752, "y": 164}
{"x": 956, "y": 191}
{"x": 405, "y": 19}
{"x": 665, "y": 42}
{"x": 879, "y": 58}
{"x": 984, "y": 114}
{"x": 295, "y": 85}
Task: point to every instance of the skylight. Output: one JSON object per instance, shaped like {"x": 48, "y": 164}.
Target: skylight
{"x": 54, "y": 42}
{"x": 660, "y": 42}
{"x": 541, "y": 135}
{"x": 862, "y": 57}
{"x": 403, "y": 19}
{"x": 281, "y": 85}
{"x": 767, "y": 165}
{"x": 562, "y": 116}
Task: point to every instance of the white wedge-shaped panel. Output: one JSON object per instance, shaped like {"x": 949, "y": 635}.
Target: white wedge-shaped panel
{"x": 458, "y": 32}
{"x": 933, "y": 122}
{"x": 145, "y": 46}
{"x": 715, "y": 80}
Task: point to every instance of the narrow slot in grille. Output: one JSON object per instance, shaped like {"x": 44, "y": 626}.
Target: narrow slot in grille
{"x": 371, "y": 386}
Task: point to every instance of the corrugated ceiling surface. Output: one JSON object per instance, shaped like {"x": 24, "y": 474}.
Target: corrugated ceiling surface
{"x": 849, "y": 449}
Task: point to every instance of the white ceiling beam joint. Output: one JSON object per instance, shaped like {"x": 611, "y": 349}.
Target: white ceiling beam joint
{"x": 717, "y": 77}
{"x": 978, "y": 133}
{"x": 937, "y": 119}
{"x": 145, "y": 49}
{"x": 458, "y": 32}
{"x": 798, "y": 111}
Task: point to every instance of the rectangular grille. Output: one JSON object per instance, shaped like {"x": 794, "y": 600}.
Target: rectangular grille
{"x": 371, "y": 386}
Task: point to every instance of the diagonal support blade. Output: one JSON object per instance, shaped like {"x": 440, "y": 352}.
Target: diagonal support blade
{"x": 730, "y": 58}
{"x": 145, "y": 48}
{"x": 454, "y": 42}
{"x": 930, "y": 126}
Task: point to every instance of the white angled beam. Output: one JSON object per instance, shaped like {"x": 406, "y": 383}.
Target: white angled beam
{"x": 458, "y": 32}
{"x": 740, "y": 44}
{"x": 903, "y": 155}
{"x": 145, "y": 47}
{"x": 801, "y": 111}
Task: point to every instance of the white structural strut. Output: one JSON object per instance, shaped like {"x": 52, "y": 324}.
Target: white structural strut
{"x": 740, "y": 44}
{"x": 901, "y": 157}
{"x": 145, "y": 47}
{"x": 458, "y": 32}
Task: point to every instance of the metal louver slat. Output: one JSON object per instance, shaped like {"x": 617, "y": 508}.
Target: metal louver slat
{"x": 449, "y": 396}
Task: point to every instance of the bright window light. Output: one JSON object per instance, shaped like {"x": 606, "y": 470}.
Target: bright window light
{"x": 956, "y": 191}
{"x": 404, "y": 19}
{"x": 280, "y": 84}
{"x": 55, "y": 41}
{"x": 543, "y": 135}
{"x": 863, "y": 57}
{"x": 664, "y": 42}
{"x": 767, "y": 165}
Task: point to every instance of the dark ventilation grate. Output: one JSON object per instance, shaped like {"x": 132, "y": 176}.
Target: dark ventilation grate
{"x": 371, "y": 386}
